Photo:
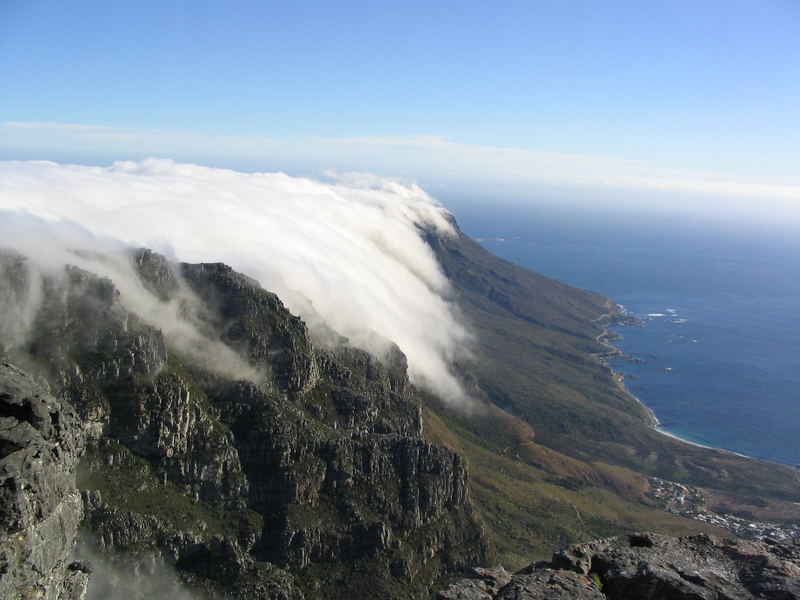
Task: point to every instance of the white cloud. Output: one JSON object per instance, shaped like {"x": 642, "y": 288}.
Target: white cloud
{"x": 49, "y": 245}
{"x": 347, "y": 254}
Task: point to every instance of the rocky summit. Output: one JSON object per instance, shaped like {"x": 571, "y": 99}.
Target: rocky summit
{"x": 646, "y": 566}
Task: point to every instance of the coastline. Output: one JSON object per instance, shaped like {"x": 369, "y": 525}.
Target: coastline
{"x": 619, "y": 316}
{"x": 772, "y": 525}
{"x": 699, "y": 445}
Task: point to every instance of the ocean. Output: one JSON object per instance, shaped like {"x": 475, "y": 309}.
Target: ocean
{"x": 719, "y": 306}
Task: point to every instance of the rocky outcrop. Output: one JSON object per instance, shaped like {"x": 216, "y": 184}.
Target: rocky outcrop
{"x": 647, "y": 567}
{"x": 308, "y": 478}
{"x": 40, "y": 507}
{"x": 255, "y": 323}
{"x": 478, "y": 584}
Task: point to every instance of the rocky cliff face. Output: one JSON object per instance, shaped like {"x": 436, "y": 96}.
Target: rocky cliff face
{"x": 40, "y": 507}
{"x": 646, "y": 567}
{"x": 306, "y": 478}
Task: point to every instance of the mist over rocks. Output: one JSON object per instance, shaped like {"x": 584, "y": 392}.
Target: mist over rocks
{"x": 311, "y": 479}
{"x": 348, "y": 255}
{"x": 264, "y": 454}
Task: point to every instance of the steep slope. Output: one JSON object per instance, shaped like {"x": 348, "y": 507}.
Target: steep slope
{"x": 308, "y": 479}
{"x": 576, "y": 450}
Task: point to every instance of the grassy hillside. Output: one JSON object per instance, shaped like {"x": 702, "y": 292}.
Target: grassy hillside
{"x": 530, "y": 510}
{"x": 563, "y": 452}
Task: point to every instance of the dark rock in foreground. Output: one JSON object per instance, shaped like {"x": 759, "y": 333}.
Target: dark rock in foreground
{"x": 40, "y": 507}
{"x": 644, "y": 567}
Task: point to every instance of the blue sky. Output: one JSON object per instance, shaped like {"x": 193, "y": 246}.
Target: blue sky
{"x": 552, "y": 92}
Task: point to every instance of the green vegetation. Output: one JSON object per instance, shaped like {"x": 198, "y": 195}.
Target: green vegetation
{"x": 596, "y": 580}
{"x": 528, "y": 516}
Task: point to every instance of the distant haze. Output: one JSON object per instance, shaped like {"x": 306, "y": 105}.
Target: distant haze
{"x": 448, "y": 169}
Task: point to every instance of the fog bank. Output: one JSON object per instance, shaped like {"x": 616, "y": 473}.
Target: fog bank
{"x": 346, "y": 254}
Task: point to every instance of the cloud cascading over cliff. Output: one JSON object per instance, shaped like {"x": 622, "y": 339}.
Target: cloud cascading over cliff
{"x": 348, "y": 256}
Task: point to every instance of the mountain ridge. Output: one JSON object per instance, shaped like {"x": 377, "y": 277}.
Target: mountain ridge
{"x": 574, "y": 423}
{"x": 321, "y": 472}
